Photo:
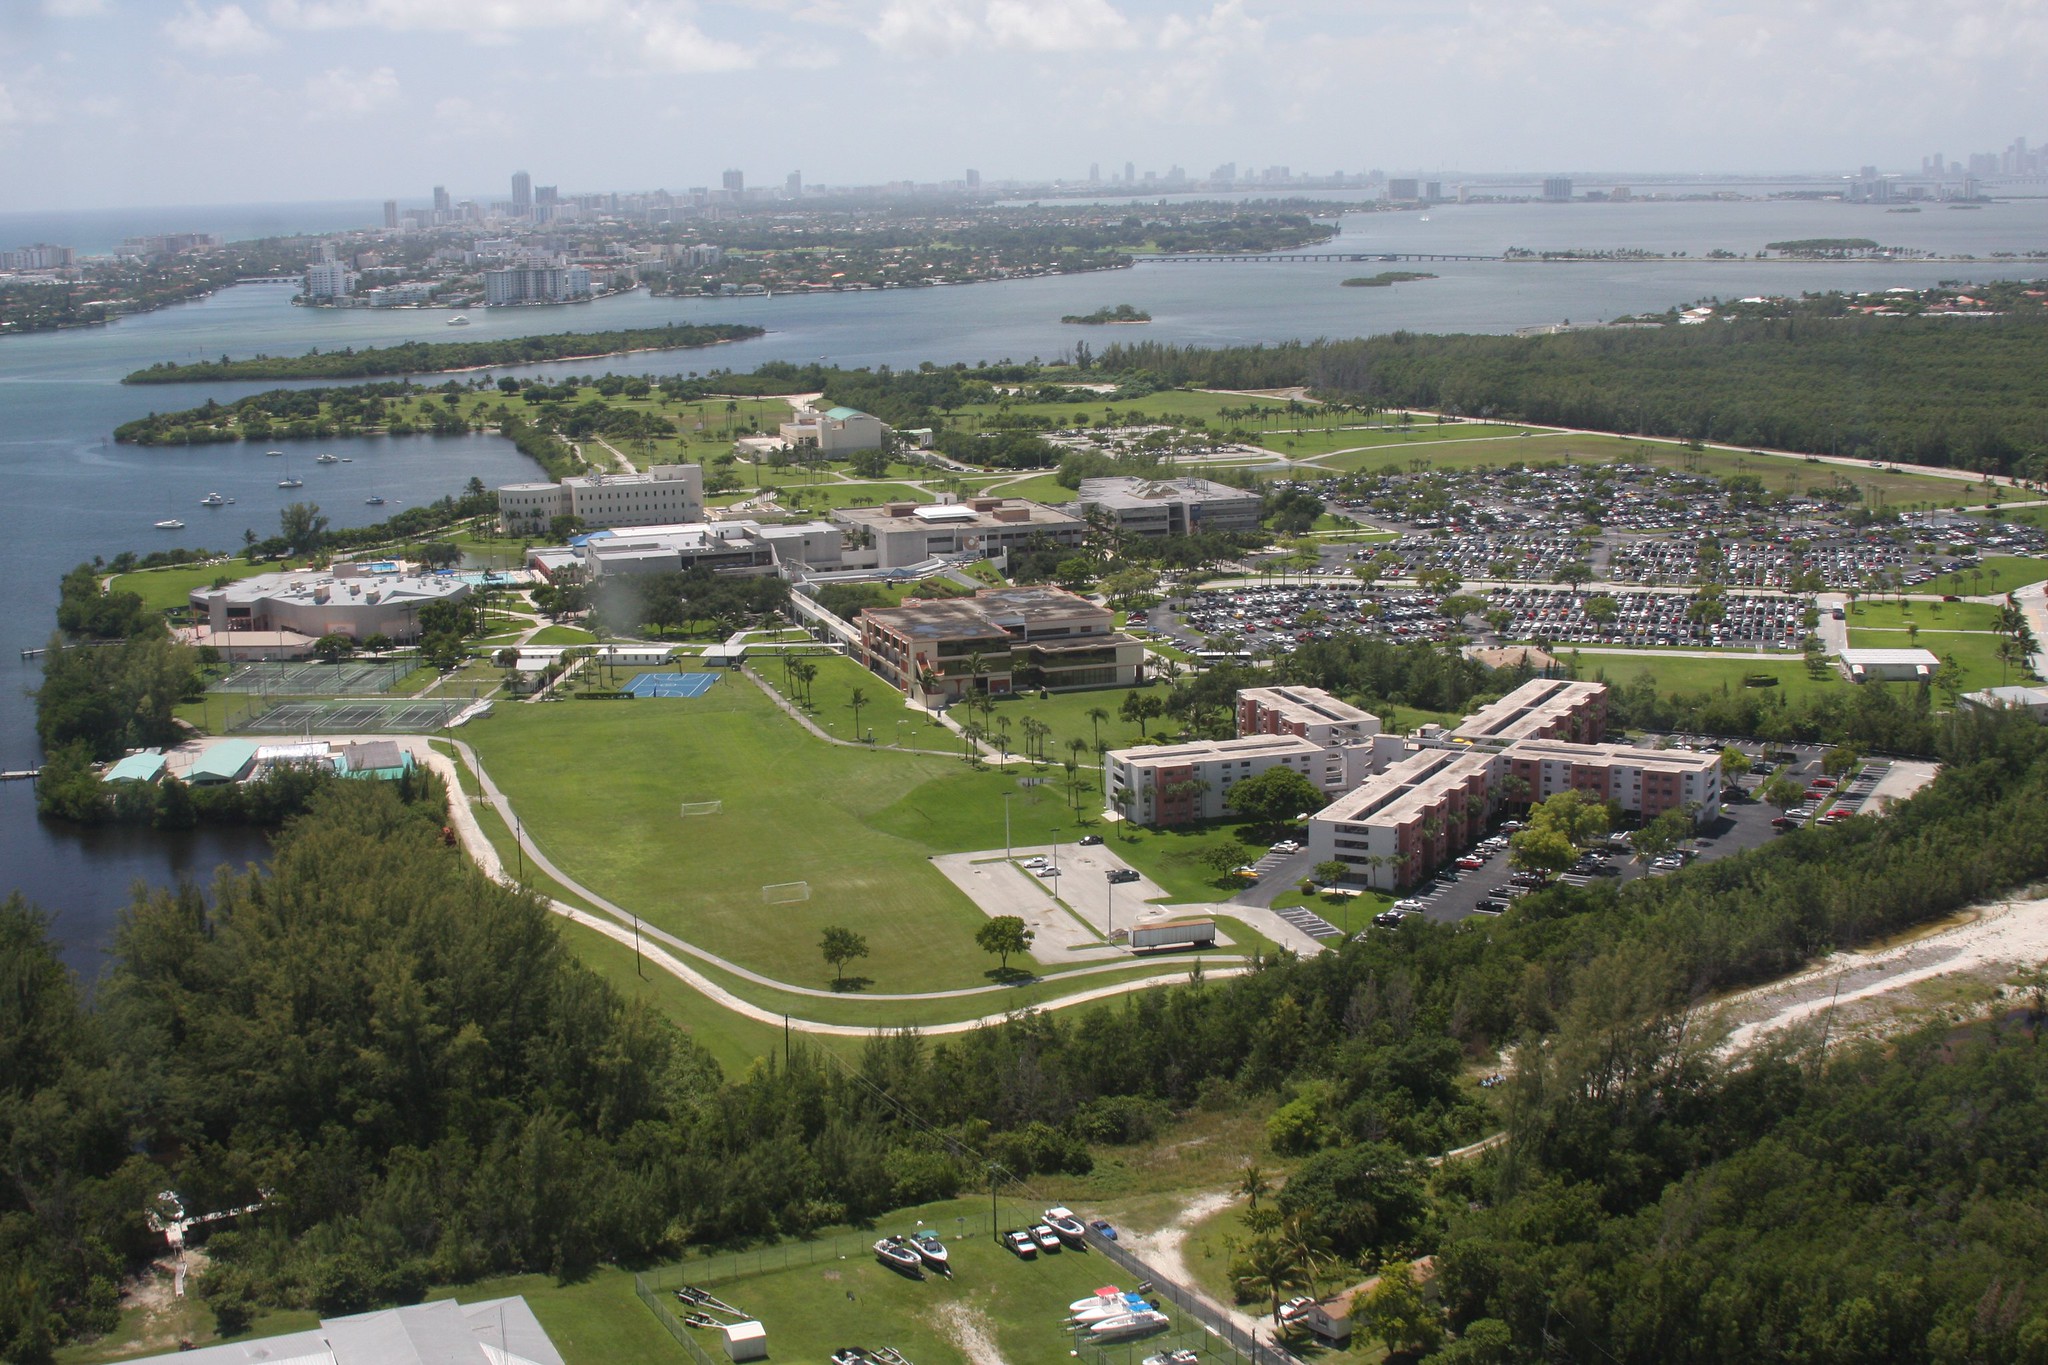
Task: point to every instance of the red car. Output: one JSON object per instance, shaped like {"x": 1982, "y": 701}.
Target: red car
{"x": 1468, "y": 862}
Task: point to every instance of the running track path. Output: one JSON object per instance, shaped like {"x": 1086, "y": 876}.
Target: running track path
{"x": 620, "y": 928}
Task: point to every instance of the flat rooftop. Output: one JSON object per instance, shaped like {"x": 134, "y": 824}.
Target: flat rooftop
{"x": 1564, "y": 751}
{"x": 1407, "y": 787}
{"x": 1527, "y": 709}
{"x": 320, "y": 588}
{"x": 1900, "y": 658}
{"x": 1212, "y": 750}
{"x": 987, "y": 513}
{"x": 1310, "y": 705}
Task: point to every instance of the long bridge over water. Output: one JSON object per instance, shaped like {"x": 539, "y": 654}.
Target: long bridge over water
{"x": 1290, "y": 257}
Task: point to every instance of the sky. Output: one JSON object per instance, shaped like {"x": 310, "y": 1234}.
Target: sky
{"x": 107, "y": 103}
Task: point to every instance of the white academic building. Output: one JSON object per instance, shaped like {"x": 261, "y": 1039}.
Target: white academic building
{"x": 835, "y": 431}
{"x": 665, "y": 495}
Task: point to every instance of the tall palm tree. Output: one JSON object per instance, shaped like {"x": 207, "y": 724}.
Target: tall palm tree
{"x": 1096, "y": 716}
{"x": 1270, "y": 1265}
{"x": 856, "y": 701}
{"x": 1253, "y": 1183}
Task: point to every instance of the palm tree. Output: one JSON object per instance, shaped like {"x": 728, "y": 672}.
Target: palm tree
{"x": 1253, "y": 1183}
{"x": 1003, "y": 737}
{"x": 856, "y": 701}
{"x": 1096, "y": 716}
{"x": 1270, "y": 1265}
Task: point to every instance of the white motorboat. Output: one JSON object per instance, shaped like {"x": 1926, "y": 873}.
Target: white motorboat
{"x": 1130, "y": 1326}
{"x": 1064, "y": 1222}
{"x": 325, "y": 458}
{"x": 273, "y": 452}
{"x": 932, "y": 1250}
{"x": 374, "y": 502}
{"x": 1106, "y": 1309}
{"x": 458, "y": 321}
{"x": 291, "y": 483}
{"x": 170, "y": 524}
{"x": 891, "y": 1252}
{"x": 1180, "y": 1357}
{"x": 1109, "y": 1293}
{"x": 213, "y": 500}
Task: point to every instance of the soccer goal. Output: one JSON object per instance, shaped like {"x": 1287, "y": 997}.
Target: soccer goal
{"x": 786, "y": 893}
{"x": 703, "y": 808}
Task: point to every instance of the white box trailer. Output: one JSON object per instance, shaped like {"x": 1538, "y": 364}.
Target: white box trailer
{"x": 1175, "y": 934}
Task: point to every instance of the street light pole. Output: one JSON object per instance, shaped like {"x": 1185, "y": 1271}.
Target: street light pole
{"x": 1110, "y": 875}
{"x": 1006, "y": 826}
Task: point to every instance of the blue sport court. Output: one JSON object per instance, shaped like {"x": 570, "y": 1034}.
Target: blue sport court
{"x": 671, "y": 684}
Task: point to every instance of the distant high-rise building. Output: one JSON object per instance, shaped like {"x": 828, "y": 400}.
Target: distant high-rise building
{"x": 735, "y": 183}
{"x": 442, "y": 205}
{"x": 1867, "y": 173}
{"x": 522, "y": 195}
{"x": 1557, "y": 189}
{"x": 1095, "y": 172}
{"x": 793, "y": 185}
{"x": 328, "y": 279}
{"x": 1130, "y": 172}
{"x": 1402, "y": 189}
{"x": 1432, "y": 190}
{"x": 391, "y": 215}
{"x": 973, "y": 179}
{"x": 1226, "y": 174}
{"x": 546, "y": 194}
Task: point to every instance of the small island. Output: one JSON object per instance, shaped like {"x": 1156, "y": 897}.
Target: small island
{"x": 447, "y": 357}
{"x": 1122, "y": 313}
{"x": 1386, "y": 279}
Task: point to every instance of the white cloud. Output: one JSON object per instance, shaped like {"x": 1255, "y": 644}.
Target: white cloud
{"x": 947, "y": 27}
{"x": 225, "y": 32}
{"x": 478, "y": 18}
{"x": 342, "y": 93}
{"x": 1058, "y": 25}
{"x": 668, "y": 42}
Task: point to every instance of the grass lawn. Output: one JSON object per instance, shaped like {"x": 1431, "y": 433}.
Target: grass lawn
{"x": 2001, "y": 573}
{"x": 811, "y": 1310}
{"x": 562, "y": 635}
{"x": 598, "y": 786}
{"x": 1693, "y": 676}
{"x": 1067, "y": 714}
{"x": 1926, "y": 615}
{"x": 831, "y": 690}
{"x": 1037, "y": 488}
{"x": 796, "y": 494}
{"x": 1778, "y": 472}
{"x": 163, "y": 589}
{"x": 1386, "y": 441}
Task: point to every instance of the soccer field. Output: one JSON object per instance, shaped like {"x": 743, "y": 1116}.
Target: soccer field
{"x": 599, "y": 787}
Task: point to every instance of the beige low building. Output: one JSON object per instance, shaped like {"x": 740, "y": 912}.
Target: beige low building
{"x": 1542, "y": 708}
{"x": 319, "y": 603}
{"x": 835, "y": 431}
{"x": 907, "y": 533}
{"x": 664, "y": 495}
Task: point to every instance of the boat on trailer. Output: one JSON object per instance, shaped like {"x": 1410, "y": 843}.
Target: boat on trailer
{"x": 891, "y": 1252}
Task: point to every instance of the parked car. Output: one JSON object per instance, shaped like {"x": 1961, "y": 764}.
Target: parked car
{"x": 1101, "y": 1228}
{"x": 1089, "y": 840}
{"x": 1285, "y": 846}
{"x": 1469, "y": 863}
{"x": 1123, "y": 874}
{"x": 1020, "y": 1243}
{"x": 1248, "y": 872}
{"x": 1388, "y": 919}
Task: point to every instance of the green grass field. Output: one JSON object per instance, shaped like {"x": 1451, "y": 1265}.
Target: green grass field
{"x": 1868, "y": 615}
{"x": 599, "y": 787}
{"x": 1778, "y": 472}
{"x": 2001, "y": 573}
{"x": 832, "y": 690}
{"x": 1693, "y": 676}
{"x": 848, "y": 1298}
{"x": 163, "y": 589}
{"x": 562, "y": 635}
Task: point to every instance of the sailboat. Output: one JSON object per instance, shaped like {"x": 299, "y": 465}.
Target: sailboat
{"x": 288, "y": 481}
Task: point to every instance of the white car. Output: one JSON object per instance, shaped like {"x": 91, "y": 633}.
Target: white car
{"x": 1286, "y": 846}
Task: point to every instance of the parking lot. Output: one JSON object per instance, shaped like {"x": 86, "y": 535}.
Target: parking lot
{"x": 1285, "y": 616}
{"x": 1641, "y": 618}
{"x": 1744, "y": 823}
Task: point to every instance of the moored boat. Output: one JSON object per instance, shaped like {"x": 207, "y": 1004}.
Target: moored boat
{"x": 932, "y": 1250}
{"x": 1129, "y": 1326}
{"x": 1062, "y": 1221}
{"x": 170, "y": 524}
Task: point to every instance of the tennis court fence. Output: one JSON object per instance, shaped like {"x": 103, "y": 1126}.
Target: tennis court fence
{"x": 261, "y": 716}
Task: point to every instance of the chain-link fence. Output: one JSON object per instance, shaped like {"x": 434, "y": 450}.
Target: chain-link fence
{"x": 1221, "y": 1327}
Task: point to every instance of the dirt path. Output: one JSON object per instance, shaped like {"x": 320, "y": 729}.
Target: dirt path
{"x": 969, "y": 1331}
{"x": 1872, "y": 991}
{"x": 1162, "y": 1250}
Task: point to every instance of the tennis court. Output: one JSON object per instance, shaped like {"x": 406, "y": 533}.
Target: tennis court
{"x": 671, "y": 684}
{"x": 344, "y": 717}
{"x": 351, "y": 679}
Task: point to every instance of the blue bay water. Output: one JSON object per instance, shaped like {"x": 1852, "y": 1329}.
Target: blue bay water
{"x": 73, "y": 493}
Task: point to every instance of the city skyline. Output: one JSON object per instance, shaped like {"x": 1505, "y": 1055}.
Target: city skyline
{"x": 111, "y": 103}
